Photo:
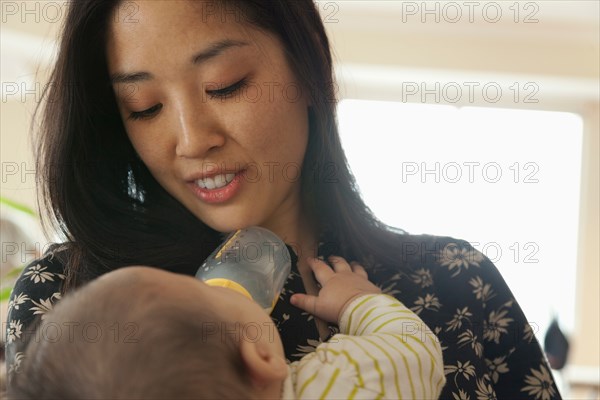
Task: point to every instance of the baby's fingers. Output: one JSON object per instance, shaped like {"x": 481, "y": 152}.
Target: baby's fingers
{"x": 359, "y": 270}
{"x": 322, "y": 271}
{"x": 305, "y": 302}
{"x": 339, "y": 264}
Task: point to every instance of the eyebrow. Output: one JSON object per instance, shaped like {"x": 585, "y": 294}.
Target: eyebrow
{"x": 213, "y": 50}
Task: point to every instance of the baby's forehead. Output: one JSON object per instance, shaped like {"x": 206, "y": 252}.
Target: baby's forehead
{"x": 138, "y": 276}
{"x": 142, "y": 296}
{"x": 136, "y": 272}
{"x": 140, "y": 282}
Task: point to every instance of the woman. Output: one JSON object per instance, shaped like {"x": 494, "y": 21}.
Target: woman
{"x": 169, "y": 123}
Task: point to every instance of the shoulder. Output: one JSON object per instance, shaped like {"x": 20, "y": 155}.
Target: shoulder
{"x": 38, "y": 286}
{"x": 41, "y": 275}
{"x": 413, "y": 251}
{"x": 438, "y": 251}
{"x": 425, "y": 263}
{"x": 487, "y": 342}
{"x": 35, "y": 292}
{"x": 438, "y": 276}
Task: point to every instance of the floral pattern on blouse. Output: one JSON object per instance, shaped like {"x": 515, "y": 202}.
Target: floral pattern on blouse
{"x": 489, "y": 349}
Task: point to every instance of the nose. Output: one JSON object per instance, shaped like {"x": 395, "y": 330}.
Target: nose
{"x": 198, "y": 130}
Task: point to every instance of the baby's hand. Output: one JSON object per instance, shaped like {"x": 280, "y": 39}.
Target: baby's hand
{"x": 339, "y": 286}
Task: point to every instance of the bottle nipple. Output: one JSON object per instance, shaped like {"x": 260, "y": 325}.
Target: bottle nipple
{"x": 227, "y": 283}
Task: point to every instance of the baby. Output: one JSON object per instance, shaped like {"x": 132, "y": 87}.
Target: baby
{"x": 145, "y": 333}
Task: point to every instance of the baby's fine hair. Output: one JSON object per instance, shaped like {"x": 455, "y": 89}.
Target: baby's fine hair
{"x": 128, "y": 343}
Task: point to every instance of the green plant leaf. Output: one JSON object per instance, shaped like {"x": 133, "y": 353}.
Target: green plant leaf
{"x": 5, "y": 293}
{"x": 14, "y": 271}
{"x": 18, "y": 206}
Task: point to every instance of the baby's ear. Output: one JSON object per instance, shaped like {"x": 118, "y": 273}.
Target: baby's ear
{"x": 263, "y": 365}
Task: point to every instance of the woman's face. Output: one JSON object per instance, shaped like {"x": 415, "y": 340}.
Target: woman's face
{"x": 213, "y": 109}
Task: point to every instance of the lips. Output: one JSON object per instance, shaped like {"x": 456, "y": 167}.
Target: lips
{"x": 215, "y": 182}
{"x": 217, "y": 188}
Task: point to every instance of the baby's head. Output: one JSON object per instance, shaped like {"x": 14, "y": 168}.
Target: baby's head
{"x": 141, "y": 332}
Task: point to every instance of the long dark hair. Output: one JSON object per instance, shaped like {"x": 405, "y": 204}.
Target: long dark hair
{"x": 110, "y": 209}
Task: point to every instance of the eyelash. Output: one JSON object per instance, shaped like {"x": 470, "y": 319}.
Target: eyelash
{"x": 222, "y": 94}
{"x": 229, "y": 91}
{"x": 146, "y": 114}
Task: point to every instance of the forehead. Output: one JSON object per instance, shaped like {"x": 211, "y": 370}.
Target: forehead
{"x": 143, "y": 279}
{"x": 158, "y": 21}
{"x": 167, "y": 36}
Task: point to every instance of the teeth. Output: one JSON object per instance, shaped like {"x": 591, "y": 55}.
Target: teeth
{"x": 219, "y": 181}
{"x": 215, "y": 182}
{"x": 210, "y": 183}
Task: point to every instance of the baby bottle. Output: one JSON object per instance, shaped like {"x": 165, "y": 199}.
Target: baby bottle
{"x": 251, "y": 261}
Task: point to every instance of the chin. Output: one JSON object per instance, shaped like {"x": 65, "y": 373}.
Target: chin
{"x": 230, "y": 223}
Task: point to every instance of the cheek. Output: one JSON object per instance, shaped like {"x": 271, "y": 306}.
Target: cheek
{"x": 152, "y": 152}
{"x": 293, "y": 132}
{"x": 143, "y": 149}
{"x": 277, "y": 131}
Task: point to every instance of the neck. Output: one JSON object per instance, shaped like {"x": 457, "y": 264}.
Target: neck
{"x": 295, "y": 229}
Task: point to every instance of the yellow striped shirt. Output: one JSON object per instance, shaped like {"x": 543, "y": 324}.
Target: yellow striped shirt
{"x": 383, "y": 351}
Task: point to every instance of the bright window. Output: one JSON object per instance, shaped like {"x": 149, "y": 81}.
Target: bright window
{"x": 505, "y": 180}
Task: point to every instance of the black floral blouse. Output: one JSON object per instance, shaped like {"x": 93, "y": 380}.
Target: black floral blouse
{"x": 489, "y": 349}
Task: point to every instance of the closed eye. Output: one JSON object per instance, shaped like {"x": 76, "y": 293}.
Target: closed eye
{"x": 229, "y": 91}
{"x": 224, "y": 93}
{"x": 145, "y": 114}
